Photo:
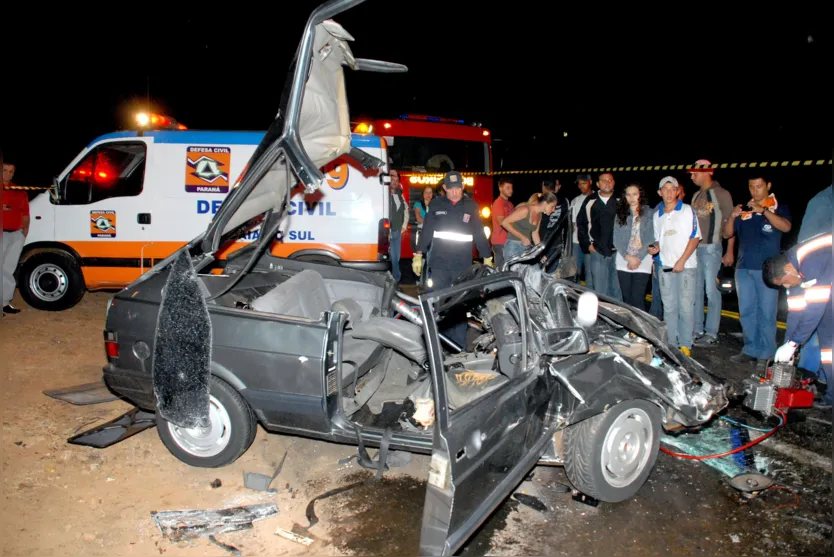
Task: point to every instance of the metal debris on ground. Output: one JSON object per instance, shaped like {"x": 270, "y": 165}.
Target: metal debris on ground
{"x": 261, "y": 482}
{"x": 257, "y": 482}
{"x": 127, "y": 425}
{"x": 751, "y": 485}
{"x": 82, "y": 395}
{"x": 230, "y": 548}
{"x": 585, "y": 499}
{"x": 292, "y": 536}
{"x": 530, "y": 501}
{"x": 190, "y": 524}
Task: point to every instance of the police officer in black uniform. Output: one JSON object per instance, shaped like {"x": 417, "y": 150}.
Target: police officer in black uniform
{"x": 451, "y": 226}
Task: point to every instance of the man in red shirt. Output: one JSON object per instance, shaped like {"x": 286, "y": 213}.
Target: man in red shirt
{"x": 15, "y": 222}
{"x": 501, "y": 207}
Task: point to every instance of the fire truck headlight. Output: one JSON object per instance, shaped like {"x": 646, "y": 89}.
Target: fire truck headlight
{"x": 485, "y": 212}
{"x": 487, "y": 232}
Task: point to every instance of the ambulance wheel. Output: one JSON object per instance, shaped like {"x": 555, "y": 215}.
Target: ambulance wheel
{"x": 51, "y": 281}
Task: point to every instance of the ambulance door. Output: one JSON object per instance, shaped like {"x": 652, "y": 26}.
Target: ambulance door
{"x": 102, "y": 213}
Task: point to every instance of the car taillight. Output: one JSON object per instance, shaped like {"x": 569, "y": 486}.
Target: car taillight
{"x": 383, "y": 243}
{"x": 111, "y": 344}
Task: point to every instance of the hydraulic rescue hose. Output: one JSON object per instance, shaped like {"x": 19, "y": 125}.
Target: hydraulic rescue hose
{"x": 782, "y": 421}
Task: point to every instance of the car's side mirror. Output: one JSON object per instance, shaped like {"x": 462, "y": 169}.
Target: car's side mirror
{"x": 564, "y": 341}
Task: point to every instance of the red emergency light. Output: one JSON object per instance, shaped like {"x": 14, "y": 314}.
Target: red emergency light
{"x": 149, "y": 120}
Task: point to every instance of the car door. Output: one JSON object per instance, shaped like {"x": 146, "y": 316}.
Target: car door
{"x": 483, "y": 449}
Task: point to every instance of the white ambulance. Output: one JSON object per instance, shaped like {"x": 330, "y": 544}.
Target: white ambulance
{"x": 132, "y": 198}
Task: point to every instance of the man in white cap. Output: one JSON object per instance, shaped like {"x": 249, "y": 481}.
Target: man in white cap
{"x": 677, "y": 236}
{"x": 713, "y": 205}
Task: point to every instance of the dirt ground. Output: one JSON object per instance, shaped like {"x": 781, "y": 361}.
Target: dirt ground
{"x": 73, "y": 500}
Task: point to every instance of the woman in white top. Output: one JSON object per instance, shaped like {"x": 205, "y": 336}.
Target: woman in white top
{"x": 633, "y": 232}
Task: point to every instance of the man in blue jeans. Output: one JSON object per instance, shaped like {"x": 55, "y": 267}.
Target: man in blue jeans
{"x": 713, "y": 205}
{"x": 583, "y": 260}
{"x": 677, "y": 236}
{"x": 399, "y": 222}
{"x": 595, "y": 225}
{"x": 759, "y": 230}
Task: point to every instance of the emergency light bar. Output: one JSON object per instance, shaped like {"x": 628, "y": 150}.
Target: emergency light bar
{"x": 150, "y": 120}
{"x": 430, "y": 118}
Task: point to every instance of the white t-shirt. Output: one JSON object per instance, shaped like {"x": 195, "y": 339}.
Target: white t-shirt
{"x": 575, "y": 205}
{"x": 674, "y": 230}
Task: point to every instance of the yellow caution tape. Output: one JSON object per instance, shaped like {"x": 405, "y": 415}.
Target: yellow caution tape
{"x": 649, "y": 168}
{"x": 585, "y": 170}
{"x": 30, "y": 188}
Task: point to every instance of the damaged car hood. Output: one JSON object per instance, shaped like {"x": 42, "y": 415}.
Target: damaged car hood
{"x": 624, "y": 364}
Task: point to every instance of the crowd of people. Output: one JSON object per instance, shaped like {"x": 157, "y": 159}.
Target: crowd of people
{"x": 621, "y": 244}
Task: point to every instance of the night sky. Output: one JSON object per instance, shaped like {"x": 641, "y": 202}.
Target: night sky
{"x": 629, "y": 86}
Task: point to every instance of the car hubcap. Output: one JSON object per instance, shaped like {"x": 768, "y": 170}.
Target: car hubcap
{"x": 205, "y": 442}
{"x": 48, "y": 282}
{"x": 626, "y": 448}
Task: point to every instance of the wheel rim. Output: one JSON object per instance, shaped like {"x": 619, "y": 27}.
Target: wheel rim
{"x": 627, "y": 447}
{"x": 209, "y": 441}
{"x": 48, "y": 282}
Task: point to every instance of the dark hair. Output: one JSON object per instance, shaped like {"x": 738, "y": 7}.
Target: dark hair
{"x": 774, "y": 268}
{"x": 504, "y": 180}
{"x": 548, "y": 185}
{"x": 760, "y": 175}
{"x": 623, "y": 208}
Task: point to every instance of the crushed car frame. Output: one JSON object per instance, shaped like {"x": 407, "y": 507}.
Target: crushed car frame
{"x": 551, "y": 373}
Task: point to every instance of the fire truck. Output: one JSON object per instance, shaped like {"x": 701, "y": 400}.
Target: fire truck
{"x": 423, "y": 148}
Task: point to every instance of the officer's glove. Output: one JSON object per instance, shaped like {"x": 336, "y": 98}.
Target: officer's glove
{"x": 417, "y": 263}
{"x": 785, "y": 352}
{"x": 488, "y": 262}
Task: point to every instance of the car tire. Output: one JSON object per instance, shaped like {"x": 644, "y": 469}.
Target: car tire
{"x": 232, "y": 430}
{"x": 610, "y": 455}
{"x": 51, "y": 281}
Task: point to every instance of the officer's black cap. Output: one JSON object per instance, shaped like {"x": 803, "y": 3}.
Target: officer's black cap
{"x": 453, "y": 179}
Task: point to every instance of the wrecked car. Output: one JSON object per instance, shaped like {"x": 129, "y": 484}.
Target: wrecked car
{"x": 550, "y": 374}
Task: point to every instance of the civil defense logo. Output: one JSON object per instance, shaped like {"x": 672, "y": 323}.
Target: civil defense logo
{"x": 207, "y": 169}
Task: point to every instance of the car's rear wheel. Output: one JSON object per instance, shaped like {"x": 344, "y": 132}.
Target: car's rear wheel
{"x": 231, "y": 430}
{"x": 610, "y": 456}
